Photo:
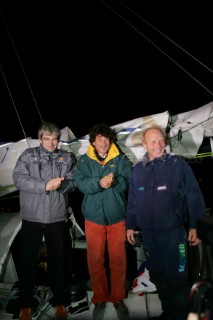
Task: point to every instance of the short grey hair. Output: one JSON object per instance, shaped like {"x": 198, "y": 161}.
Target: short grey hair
{"x": 49, "y": 128}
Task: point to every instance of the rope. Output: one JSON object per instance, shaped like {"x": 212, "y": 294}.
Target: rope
{"x": 25, "y": 76}
{"x": 10, "y": 94}
{"x": 163, "y": 52}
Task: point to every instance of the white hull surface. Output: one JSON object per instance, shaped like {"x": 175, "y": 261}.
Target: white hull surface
{"x": 140, "y": 307}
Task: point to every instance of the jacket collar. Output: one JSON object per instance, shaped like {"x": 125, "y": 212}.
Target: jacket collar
{"x": 146, "y": 159}
{"x": 113, "y": 152}
{"x": 56, "y": 151}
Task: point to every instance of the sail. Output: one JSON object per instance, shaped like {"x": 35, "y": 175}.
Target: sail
{"x": 186, "y": 133}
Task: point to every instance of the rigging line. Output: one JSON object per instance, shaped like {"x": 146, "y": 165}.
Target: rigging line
{"x": 12, "y": 101}
{"x": 176, "y": 144}
{"x": 186, "y": 130}
{"x": 201, "y": 155}
{"x": 171, "y": 125}
{"x": 183, "y": 69}
{"x": 195, "y": 125}
{"x": 169, "y": 39}
{"x": 19, "y": 60}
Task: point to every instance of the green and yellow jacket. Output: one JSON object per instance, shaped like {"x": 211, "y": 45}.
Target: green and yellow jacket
{"x": 99, "y": 205}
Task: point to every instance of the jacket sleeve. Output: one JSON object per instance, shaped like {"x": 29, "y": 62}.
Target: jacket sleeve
{"x": 84, "y": 180}
{"x": 131, "y": 221}
{"x": 68, "y": 184}
{"x": 22, "y": 178}
{"x": 122, "y": 178}
{"x": 195, "y": 200}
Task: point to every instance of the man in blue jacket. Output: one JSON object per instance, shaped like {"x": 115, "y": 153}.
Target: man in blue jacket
{"x": 44, "y": 177}
{"x": 103, "y": 174}
{"x": 163, "y": 193}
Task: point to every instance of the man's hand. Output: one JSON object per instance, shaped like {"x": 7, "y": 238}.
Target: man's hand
{"x": 107, "y": 181}
{"x": 130, "y": 236}
{"x": 193, "y": 238}
{"x": 54, "y": 184}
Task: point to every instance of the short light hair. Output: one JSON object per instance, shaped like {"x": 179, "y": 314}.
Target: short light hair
{"x": 154, "y": 126}
{"x": 49, "y": 128}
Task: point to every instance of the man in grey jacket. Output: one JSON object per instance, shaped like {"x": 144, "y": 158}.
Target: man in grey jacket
{"x": 44, "y": 177}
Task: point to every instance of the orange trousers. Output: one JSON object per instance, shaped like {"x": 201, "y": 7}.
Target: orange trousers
{"x": 113, "y": 237}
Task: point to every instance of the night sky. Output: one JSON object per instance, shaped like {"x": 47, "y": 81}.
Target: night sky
{"x": 82, "y": 62}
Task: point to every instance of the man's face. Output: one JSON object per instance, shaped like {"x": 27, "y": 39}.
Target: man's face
{"x": 49, "y": 142}
{"x": 154, "y": 143}
{"x": 102, "y": 145}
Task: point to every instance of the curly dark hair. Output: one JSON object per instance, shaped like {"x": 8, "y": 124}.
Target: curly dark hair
{"x": 102, "y": 129}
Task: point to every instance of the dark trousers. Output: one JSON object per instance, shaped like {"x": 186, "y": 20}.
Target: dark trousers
{"x": 168, "y": 269}
{"x": 173, "y": 293}
{"x": 31, "y": 236}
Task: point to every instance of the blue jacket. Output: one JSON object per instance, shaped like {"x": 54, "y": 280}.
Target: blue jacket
{"x": 162, "y": 193}
{"x": 103, "y": 206}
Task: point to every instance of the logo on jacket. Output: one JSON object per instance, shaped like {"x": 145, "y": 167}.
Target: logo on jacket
{"x": 182, "y": 257}
{"x": 164, "y": 187}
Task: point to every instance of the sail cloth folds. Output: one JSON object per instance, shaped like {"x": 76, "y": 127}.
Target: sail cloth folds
{"x": 188, "y": 130}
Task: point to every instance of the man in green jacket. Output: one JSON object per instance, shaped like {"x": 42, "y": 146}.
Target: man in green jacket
{"x": 103, "y": 175}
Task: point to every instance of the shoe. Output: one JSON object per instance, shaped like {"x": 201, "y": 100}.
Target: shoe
{"x": 122, "y": 310}
{"x": 12, "y": 302}
{"x": 143, "y": 284}
{"x": 61, "y": 313}
{"x": 98, "y": 311}
{"x": 25, "y": 314}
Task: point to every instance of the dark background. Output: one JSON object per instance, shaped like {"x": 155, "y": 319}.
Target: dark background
{"x": 81, "y": 62}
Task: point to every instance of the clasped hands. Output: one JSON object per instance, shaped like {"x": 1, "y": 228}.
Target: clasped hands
{"x": 107, "y": 181}
{"x": 53, "y": 184}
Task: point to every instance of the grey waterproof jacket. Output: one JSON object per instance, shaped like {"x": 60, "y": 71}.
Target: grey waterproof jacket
{"x": 34, "y": 167}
